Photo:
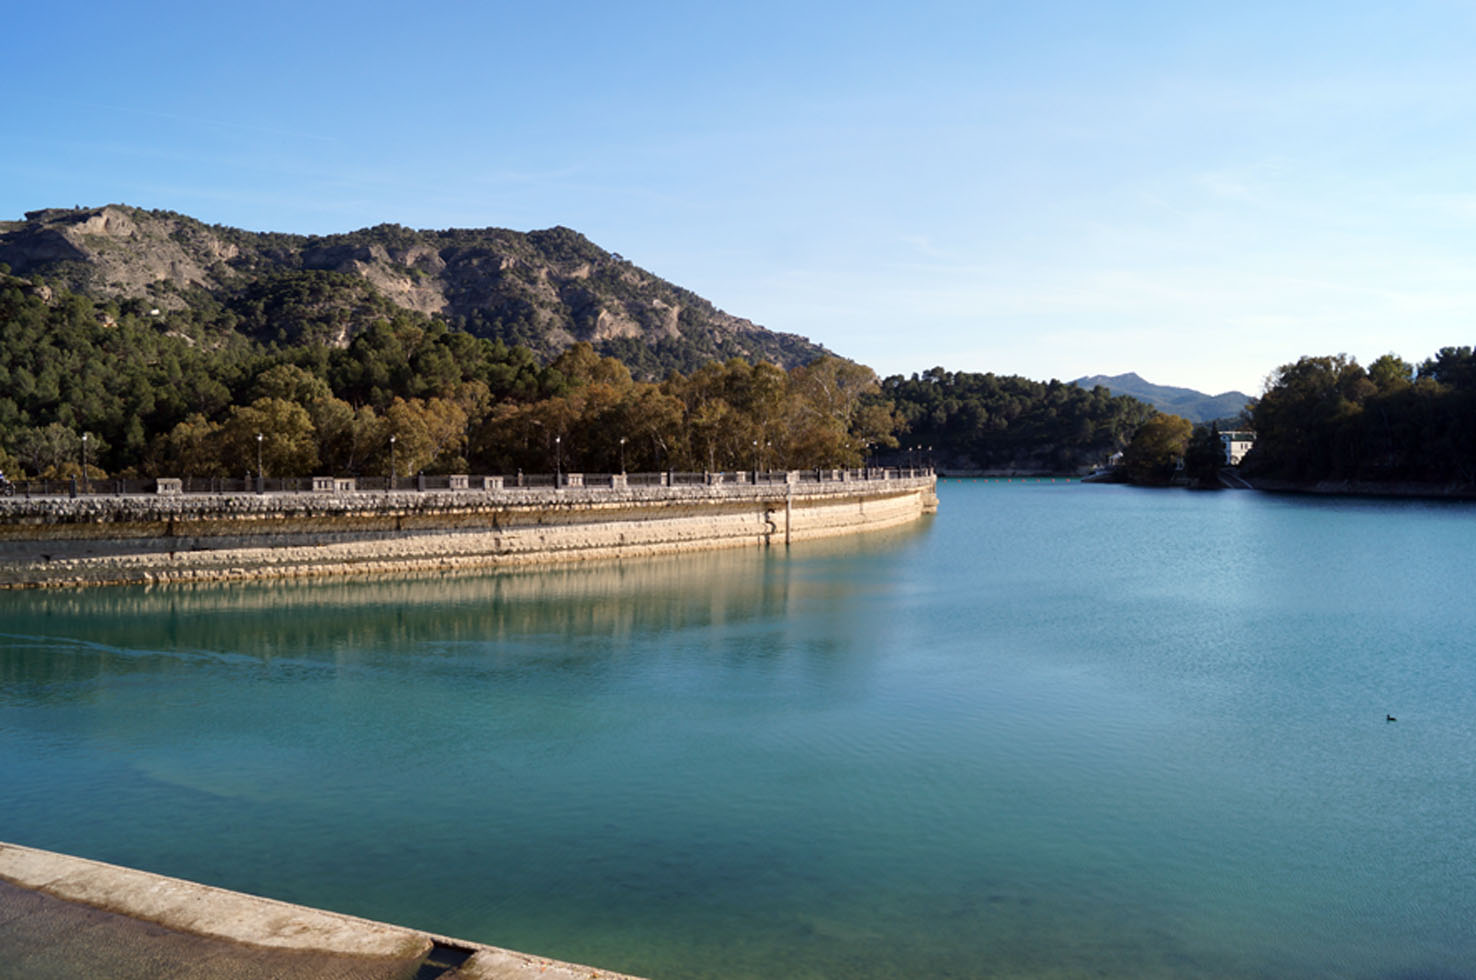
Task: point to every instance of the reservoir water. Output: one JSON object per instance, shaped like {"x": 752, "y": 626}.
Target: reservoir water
{"x": 1057, "y": 730}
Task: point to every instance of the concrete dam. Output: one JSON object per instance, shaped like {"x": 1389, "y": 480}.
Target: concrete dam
{"x": 336, "y": 528}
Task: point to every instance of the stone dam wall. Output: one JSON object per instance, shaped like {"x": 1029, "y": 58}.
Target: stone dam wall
{"x": 98, "y": 540}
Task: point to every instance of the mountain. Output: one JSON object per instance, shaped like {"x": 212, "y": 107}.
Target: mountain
{"x": 1193, "y": 405}
{"x": 542, "y": 289}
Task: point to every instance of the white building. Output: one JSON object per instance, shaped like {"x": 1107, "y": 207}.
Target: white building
{"x": 1237, "y": 443}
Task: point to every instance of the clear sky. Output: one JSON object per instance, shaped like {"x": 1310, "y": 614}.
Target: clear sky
{"x": 1196, "y": 192}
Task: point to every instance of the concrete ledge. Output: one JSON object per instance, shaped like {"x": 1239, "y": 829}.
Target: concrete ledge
{"x": 502, "y": 964}
{"x": 199, "y": 909}
{"x": 261, "y": 931}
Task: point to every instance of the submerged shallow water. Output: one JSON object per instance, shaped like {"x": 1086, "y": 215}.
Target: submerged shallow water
{"x": 1057, "y": 730}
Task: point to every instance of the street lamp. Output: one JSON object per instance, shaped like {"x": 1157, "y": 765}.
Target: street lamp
{"x": 260, "y": 486}
{"x": 392, "y": 463}
{"x": 84, "y": 462}
{"x": 755, "y": 455}
{"x": 622, "y": 455}
{"x": 558, "y": 461}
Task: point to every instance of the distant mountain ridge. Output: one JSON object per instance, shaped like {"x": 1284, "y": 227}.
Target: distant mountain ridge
{"x": 1196, "y": 406}
{"x": 544, "y": 289}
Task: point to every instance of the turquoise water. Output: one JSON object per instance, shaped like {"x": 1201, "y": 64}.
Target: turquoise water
{"x": 1058, "y": 730}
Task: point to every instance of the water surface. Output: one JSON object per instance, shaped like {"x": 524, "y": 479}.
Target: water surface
{"x": 1057, "y": 730}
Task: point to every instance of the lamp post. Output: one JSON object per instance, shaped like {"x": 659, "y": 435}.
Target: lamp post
{"x": 260, "y": 486}
{"x": 558, "y": 461}
{"x": 392, "y": 463}
{"x": 622, "y": 455}
{"x": 755, "y": 456}
{"x": 84, "y": 462}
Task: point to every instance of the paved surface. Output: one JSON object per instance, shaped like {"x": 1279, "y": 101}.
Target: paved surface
{"x": 68, "y": 918}
{"x": 47, "y": 938}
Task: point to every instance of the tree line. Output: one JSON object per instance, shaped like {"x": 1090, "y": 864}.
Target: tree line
{"x": 988, "y": 422}
{"x": 1329, "y": 418}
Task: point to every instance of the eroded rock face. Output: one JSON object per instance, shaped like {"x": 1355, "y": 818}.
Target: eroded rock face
{"x": 550, "y": 288}
{"x": 119, "y": 252}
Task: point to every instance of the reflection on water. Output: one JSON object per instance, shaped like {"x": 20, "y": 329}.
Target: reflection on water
{"x": 354, "y": 619}
{"x": 262, "y": 619}
{"x": 1056, "y": 731}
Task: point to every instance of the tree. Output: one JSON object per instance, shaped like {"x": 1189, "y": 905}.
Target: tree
{"x": 291, "y": 383}
{"x": 1204, "y": 457}
{"x": 831, "y": 419}
{"x": 288, "y": 444}
{"x": 49, "y": 448}
{"x": 1157, "y": 447}
{"x": 651, "y": 421}
{"x": 191, "y": 448}
{"x": 1452, "y": 366}
{"x": 1391, "y": 374}
{"x": 1307, "y": 420}
{"x": 429, "y": 435}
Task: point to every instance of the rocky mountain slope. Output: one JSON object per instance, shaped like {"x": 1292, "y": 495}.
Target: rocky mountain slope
{"x": 1193, "y": 405}
{"x": 542, "y": 289}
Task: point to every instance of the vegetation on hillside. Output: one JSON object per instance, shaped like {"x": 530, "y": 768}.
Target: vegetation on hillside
{"x": 183, "y": 392}
{"x": 543, "y": 290}
{"x": 985, "y": 422}
{"x": 1329, "y": 418}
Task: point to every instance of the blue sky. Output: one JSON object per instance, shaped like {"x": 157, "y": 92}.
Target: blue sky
{"x": 1198, "y": 193}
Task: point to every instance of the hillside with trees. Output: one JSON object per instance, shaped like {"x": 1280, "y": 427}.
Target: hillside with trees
{"x": 983, "y": 422}
{"x": 1329, "y": 418}
{"x": 184, "y": 393}
{"x": 543, "y": 290}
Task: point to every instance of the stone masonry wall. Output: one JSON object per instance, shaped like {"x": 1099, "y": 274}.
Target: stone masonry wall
{"x": 141, "y": 539}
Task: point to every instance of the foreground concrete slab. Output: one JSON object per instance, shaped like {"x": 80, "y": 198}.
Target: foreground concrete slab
{"x": 47, "y": 938}
{"x": 67, "y": 917}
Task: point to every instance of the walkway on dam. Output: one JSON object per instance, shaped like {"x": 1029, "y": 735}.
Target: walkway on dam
{"x": 66, "y": 918}
{"x": 46, "y": 938}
